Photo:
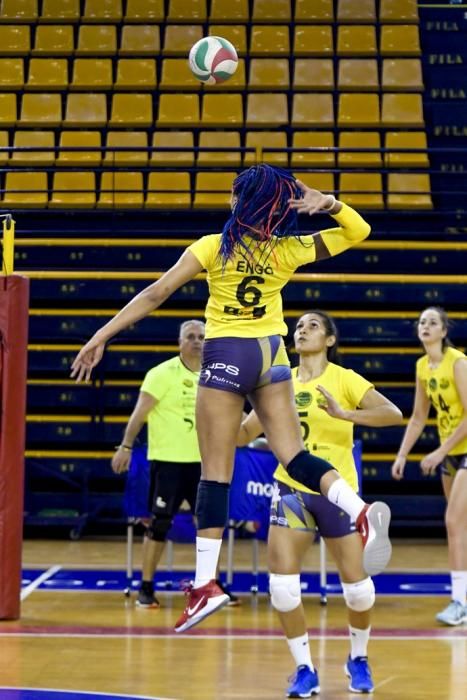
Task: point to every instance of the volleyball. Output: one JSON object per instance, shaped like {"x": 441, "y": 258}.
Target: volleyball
{"x": 213, "y": 60}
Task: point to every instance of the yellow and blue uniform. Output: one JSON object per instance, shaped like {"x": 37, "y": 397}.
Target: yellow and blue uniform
{"x": 440, "y": 387}
{"x": 331, "y": 439}
{"x": 245, "y": 302}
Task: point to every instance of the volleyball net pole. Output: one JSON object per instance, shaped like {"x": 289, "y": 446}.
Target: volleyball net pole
{"x": 14, "y": 302}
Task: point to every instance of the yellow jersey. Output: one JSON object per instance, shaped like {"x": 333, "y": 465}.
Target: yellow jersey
{"x": 171, "y": 423}
{"x": 245, "y": 295}
{"x": 324, "y": 436}
{"x": 440, "y": 388}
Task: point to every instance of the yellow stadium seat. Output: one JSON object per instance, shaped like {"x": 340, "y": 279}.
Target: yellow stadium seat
{"x": 269, "y": 39}
{"x": 25, "y": 190}
{"x": 358, "y": 109}
{"x": 313, "y": 74}
{"x": 400, "y": 109}
{"x": 193, "y": 12}
{"x": 356, "y": 40}
{"x": 362, "y": 190}
{"x": 235, "y": 33}
{"x": 145, "y": 11}
{"x": 19, "y": 11}
{"x": 4, "y": 143}
{"x": 97, "y": 40}
{"x": 14, "y": 41}
{"x": 92, "y": 74}
{"x": 168, "y": 190}
{"x": 316, "y": 12}
{"x": 176, "y": 75}
{"x": 29, "y": 139}
{"x": 80, "y": 139}
{"x": 222, "y": 110}
{"x": 236, "y": 82}
{"x": 356, "y": 11}
{"x": 178, "y": 110}
{"x": 11, "y": 74}
{"x": 86, "y": 109}
{"x": 359, "y": 139}
{"x": 126, "y": 139}
{"x": 268, "y": 12}
{"x": 102, "y": 11}
{"x": 315, "y": 109}
{"x": 60, "y": 11}
{"x": 174, "y": 139}
{"x": 400, "y": 40}
{"x": 219, "y": 139}
{"x": 229, "y": 11}
{"x": 136, "y": 111}
{"x": 141, "y": 39}
{"x": 324, "y": 182}
{"x": 41, "y": 110}
{"x": 358, "y": 74}
{"x": 121, "y": 191}
{"x": 8, "y": 112}
{"x": 262, "y": 141}
{"x": 75, "y": 190}
{"x": 310, "y": 159}
{"x": 313, "y": 41}
{"x": 54, "y": 40}
{"x": 398, "y": 11}
{"x": 136, "y": 74}
{"x": 213, "y": 190}
{"x": 409, "y": 191}
{"x": 179, "y": 38}
{"x": 266, "y": 110}
{"x": 402, "y": 74}
{"x": 269, "y": 74}
{"x": 48, "y": 74}
{"x": 406, "y": 139}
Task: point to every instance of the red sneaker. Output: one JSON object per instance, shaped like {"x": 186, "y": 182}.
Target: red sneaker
{"x": 373, "y": 526}
{"x": 201, "y": 602}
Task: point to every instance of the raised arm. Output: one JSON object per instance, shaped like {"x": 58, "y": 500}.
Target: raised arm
{"x": 375, "y": 411}
{"x": 140, "y": 306}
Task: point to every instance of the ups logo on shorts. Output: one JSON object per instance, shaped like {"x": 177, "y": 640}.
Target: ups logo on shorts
{"x": 302, "y": 399}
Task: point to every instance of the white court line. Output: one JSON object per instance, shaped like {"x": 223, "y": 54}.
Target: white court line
{"x": 37, "y": 581}
{"x": 229, "y": 637}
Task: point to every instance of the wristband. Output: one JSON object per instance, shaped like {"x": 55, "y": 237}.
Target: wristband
{"x": 332, "y": 205}
{"x": 125, "y": 448}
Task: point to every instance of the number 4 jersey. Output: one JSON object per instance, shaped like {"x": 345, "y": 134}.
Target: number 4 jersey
{"x": 440, "y": 388}
{"x": 245, "y": 295}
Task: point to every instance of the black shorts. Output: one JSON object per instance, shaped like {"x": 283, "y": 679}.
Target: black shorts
{"x": 452, "y": 464}
{"x": 172, "y": 483}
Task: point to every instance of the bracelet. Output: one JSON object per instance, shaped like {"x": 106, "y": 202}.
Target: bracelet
{"x": 332, "y": 205}
{"x": 125, "y": 448}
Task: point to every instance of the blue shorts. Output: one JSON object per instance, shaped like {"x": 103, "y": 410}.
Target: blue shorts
{"x": 452, "y": 463}
{"x": 307, "y": 512}
{"x": 241, "y": 365}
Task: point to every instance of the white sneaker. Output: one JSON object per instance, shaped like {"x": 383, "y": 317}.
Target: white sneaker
{"x": 373, "y": 526}
{"x": 454, "y": 614}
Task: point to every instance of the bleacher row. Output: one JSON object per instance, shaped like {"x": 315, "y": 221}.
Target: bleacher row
{"x": 313, "y": 75}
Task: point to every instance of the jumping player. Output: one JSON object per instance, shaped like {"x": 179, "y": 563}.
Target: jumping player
{"x": 248, "y": 264}
{"x": 330, "y": 400}
{"x": 441, "y": 380}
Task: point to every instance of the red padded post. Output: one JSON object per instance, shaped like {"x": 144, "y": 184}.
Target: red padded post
{"x": 14, "y": 301}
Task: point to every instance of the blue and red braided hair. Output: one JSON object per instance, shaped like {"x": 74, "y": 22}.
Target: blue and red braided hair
{"x": 261, "y": 208}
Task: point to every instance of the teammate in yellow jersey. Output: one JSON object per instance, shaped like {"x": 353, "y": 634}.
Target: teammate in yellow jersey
{"x": 247, "y": 266}
{"x": 441, "y": 381}
{"x": 330, "y": 400}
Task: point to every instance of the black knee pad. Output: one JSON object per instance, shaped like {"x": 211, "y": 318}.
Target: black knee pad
{"x": 212, "y": 504}
{"x": 158, "y": 528}
{"x": 308, "y": 469}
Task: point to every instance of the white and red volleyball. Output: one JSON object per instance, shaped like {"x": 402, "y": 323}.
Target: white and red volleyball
{"x": 213, "y": 60}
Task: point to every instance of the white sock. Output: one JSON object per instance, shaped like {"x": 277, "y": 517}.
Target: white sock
{"x": 358, "y": 641}
{"x": 207, "y": 556}
{"x": 459, "y": 586}
{"x": 343, "y": 496}
{"x": 300, "y": 650}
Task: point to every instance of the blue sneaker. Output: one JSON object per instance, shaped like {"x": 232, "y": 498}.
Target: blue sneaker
{"x": 454, "y": 614}
{"x": 359, "y": 673}
{"x": 305, "y": 683}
